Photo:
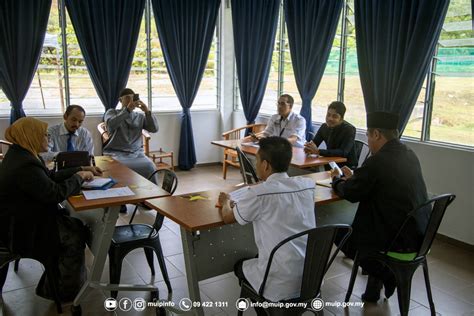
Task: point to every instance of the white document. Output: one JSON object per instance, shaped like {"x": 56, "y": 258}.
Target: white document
{"x": 239, "y": 194}
{"x": 110, "y": 193}
{"x": 251, "y": 144}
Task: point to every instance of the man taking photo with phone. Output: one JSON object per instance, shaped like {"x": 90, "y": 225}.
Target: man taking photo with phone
{"x": 125, "y": 129}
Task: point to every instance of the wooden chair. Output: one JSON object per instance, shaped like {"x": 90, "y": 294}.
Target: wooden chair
{"x": 156, "y": 156}
{"x": 3, "y": 143}
{"x": 230, "y": 155}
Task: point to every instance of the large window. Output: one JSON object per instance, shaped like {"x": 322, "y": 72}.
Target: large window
{"x": 444, "y": 110}
{"x": 48, "y": 93}
{"x": 452, "y": 113}
{"x": 282, "y": 78}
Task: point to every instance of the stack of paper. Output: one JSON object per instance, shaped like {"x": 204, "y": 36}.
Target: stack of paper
{"x": 110, "y": 193}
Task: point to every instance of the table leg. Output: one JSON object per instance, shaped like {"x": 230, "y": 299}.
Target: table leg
{"x": 191, "y": 269}
{"x": 103, "y": 227}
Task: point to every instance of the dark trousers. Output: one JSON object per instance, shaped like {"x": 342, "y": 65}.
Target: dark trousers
{"x": 239, "y": 273}
{"x": 372, "y": 267}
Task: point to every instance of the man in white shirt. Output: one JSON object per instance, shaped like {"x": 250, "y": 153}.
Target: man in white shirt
{"x": 70, "y": 135}
{"x": 278, "y": 207}
{"x": 286, "y": 123}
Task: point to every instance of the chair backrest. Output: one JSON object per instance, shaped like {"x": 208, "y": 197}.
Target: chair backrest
{"x": 317, "y": 260}
{"x": 362, "y": 151}
{"x": 437, "y": 207}
{"x": 169, "y": 183}
{"x": 2, "y": 144}
{"x": 104, "y": 134}
{"x": 246, "y": 169}
{"x": 238, "y": 133}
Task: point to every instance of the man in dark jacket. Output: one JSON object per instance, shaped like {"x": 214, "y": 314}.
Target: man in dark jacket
{"x": 338, "y": 135}
{"x": 388, "y": 186}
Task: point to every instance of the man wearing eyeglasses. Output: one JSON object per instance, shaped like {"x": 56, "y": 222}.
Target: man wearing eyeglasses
{"x": 70, "y": 135}
{"x": 286, "y": 124}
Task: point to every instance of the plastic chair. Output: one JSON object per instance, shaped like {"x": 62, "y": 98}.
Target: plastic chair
{"x": 362, "y": 151}
{"x": 230, "y": 155}
{"x": 132, "y": 236}
{"x": 50, "y": 265}
{"x": 404, "y": 265}
{"x": 317, "y": 261}
{"x": 246, "y": 168}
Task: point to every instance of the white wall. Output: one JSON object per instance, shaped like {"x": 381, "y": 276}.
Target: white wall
{"x": 449, "y": 170}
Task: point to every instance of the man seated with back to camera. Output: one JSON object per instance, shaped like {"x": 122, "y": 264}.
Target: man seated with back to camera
{"x": 387, "y": 186}
{"x": 285, "y": 123}
{"x": 278, "y": 207}
{"x": 338, "y": 134}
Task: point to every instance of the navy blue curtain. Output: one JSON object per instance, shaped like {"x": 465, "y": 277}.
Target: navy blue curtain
{"x": 185, "y": 29}
{"x": 22, "y": 28}
{"x": 395, "y": 44}
{"x": 255, "y": 24}
{"x": 311, "y": 25}
{"x": 107, "y": 32}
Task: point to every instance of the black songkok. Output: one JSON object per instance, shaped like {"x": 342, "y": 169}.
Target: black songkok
{"x": 383, "y": 120}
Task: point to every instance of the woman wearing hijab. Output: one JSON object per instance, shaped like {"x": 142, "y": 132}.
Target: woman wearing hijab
{"x": 30, "y": 222}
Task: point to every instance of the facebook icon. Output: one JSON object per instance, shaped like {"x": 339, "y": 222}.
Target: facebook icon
{"x": 125, "y": 304}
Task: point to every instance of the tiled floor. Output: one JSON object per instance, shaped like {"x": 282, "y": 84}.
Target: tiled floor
{"x": 451, "y": 273}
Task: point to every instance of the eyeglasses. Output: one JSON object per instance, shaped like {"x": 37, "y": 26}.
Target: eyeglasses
{"x": 282, "y": 103}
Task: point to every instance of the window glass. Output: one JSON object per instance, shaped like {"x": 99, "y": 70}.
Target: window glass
{"x": 452, "y": 118}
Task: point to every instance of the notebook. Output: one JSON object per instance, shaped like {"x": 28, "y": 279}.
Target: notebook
{"x": 99, "y": 183}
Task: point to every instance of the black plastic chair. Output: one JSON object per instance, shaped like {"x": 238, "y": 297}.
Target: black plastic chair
{"x": 404, "y": 265}
{"x": 50, "y": 266}
{"x": 246, "y": 168}
{"x": 132, "y": 236}
{"x": 362, "y": 151}
{"x": 317, "y": 261}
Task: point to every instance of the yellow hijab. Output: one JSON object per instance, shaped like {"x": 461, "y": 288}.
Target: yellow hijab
{"x": 28, "y": 133}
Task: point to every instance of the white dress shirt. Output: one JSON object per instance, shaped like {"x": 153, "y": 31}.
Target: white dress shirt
{"x": 293, "y": 125}
{"x": 278, "y": 208}
{"x": 81, "y": 140}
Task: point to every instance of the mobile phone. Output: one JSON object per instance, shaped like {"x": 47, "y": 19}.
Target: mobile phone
{"x": 136, "y": 97}
{"x": 334, "y": 165}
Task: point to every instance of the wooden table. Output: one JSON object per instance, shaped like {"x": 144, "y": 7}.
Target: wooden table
{"x": 210, "y": 247}
{"x": 300, "y": 159}
{"x": 101, "y": 215}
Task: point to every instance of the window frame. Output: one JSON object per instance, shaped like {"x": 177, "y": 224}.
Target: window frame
{"x": 346, "y": 18}
{"x": 148, "y": 20}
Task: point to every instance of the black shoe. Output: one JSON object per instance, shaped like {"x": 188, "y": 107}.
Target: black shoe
{"x": 389, "y": 284}
{"x": 372, "y": 290}
{"x": 123, "y": 209}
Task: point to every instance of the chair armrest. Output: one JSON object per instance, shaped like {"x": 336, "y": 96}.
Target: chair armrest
{"x": 145, "y": 134}
{"x": 226, "y": 134}
{"x": 4, "y": 142}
